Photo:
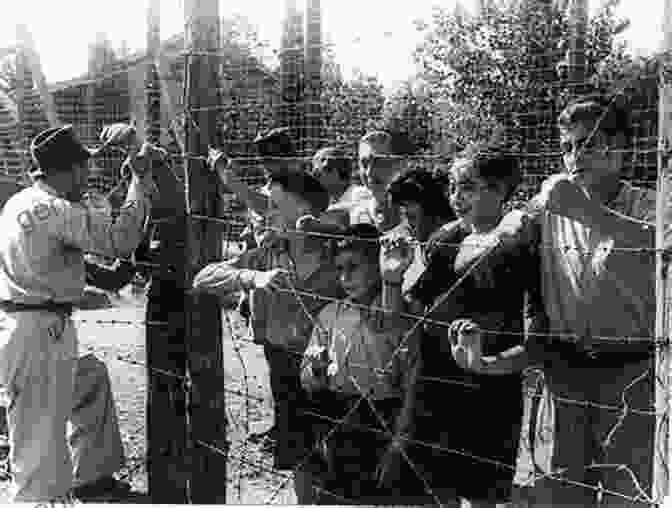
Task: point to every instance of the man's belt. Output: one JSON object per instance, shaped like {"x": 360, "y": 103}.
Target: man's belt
{"x": 47, "y": 306}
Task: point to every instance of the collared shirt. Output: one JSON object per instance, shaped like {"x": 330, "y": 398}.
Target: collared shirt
{"x": 367, "y": 346}
{"x": 591, "y": 288}
{"x": 418, "y": 263}
{"x": 283, "y": 317}
{"x": 44, "y": 237}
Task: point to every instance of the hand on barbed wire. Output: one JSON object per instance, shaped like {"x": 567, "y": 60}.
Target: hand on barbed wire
{"x": 119, "y": 134}
{"x": 270, "y": 279}
{"x": 223, "y": 165}
{"x": 314, "y": 370}
{"x": 396, "y": 255}
{"x": 217, "y": 160}
{"x": 208, "y": 279}
{"x": 466, "y": 339}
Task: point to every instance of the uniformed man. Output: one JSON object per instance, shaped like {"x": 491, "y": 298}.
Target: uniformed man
{"x": 46, "y": 231}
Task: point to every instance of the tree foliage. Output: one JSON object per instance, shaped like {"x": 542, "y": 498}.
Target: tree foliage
{"x": 251, "y": 91}
{"x": 349, "y": 106}
{"x": 496, "y": 72}
{"x": 408, "y": 111}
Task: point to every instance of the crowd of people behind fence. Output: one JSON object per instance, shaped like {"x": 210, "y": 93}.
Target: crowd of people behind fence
{"x": 399, "y": 317}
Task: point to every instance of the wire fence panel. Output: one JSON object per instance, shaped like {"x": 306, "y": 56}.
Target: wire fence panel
{"x": 502, "y": 75}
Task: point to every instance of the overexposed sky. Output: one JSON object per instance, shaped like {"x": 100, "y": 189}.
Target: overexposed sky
{"x": 374, "y": 35}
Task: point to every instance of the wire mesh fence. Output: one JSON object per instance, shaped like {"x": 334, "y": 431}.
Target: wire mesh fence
{"x": 504, "y": 73}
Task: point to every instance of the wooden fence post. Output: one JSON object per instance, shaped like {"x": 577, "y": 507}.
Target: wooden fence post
{"x": 661, "y": 458}
{"x": 166, "y": 327}
{"x": 206, "y": 413}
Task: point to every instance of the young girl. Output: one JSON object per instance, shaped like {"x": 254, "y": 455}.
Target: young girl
{"x": 360, "y": 363}
{"x": 475, "y": 368}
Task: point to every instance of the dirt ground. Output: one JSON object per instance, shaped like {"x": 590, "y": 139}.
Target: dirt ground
{"x": 105, "y": 332}
{"x": 250, "y": 476}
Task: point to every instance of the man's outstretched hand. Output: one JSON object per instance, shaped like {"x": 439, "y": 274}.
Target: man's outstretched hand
{"x": 119, "y": 134}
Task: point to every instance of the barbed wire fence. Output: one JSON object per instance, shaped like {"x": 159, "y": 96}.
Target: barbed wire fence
{"x": 254, "y": 96}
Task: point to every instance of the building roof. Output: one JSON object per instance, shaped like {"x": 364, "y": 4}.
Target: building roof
{"x": 171, "y": 49}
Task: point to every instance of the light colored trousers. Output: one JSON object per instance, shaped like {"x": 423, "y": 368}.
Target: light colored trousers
{"x": 46, "y": 385}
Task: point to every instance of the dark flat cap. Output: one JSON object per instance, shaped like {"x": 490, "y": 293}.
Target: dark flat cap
{"x": 57, "y": 149}
{"x": 275, "y": 143}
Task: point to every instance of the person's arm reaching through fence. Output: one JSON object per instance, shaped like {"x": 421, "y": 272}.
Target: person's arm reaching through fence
{"x": 240, "y": 274}
{"x": 99, "y": 232}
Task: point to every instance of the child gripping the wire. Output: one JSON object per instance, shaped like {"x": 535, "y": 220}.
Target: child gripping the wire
{"x": 475, "y": 342}
{"x": 360, "y": 365}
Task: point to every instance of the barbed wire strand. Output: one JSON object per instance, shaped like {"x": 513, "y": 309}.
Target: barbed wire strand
{"x": 459, "y": 281}
{"x": 437, "y": 243}
{"x": 564, "y": 400}
{"x": 392, "y": 436}
{"x": 625, "y": 408}
{"x": 408, "y": 334}
{"x": 302, "y": 463}
{"x": 415, "y": 441}
{"x": 562, "y": 337}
